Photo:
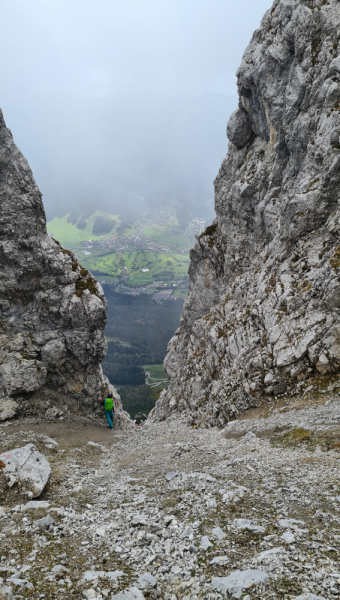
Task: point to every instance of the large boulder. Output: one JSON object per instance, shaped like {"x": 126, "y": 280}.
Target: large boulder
{"x": 239, "y": 129}
{"x": 26, "y": 467}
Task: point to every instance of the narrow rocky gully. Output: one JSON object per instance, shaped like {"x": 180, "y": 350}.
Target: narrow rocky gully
{"x": 169, "y": 511}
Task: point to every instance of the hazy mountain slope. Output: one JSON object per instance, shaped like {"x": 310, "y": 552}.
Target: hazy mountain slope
{"x": 264, "y": 295}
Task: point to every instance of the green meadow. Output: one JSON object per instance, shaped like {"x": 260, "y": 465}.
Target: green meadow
{"x": 180, "y": 241}
{"x": 111, "y": 265}
{"x": 161, "y": 266}
{"x": 70, "y": 236}
{"x": 157, "y": 232}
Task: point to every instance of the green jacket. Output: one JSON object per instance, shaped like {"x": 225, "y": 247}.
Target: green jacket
{"x": 108, "y": 404}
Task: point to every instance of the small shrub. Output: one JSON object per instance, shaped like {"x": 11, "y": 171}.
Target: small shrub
{"x": 208, "y": 231}
{"x": 88, "y": 284}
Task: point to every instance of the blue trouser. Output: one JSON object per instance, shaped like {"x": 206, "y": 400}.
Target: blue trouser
{"x": 109, "y": 416}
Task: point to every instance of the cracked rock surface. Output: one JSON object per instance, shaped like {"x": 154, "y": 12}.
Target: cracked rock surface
{"x": 262, "y": 312}
{"x": 52, "y": 311}
{"x": 27, "y": 467}
{"x": 250, "y": 511}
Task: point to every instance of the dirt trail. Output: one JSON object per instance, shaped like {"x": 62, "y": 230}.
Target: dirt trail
{"x": 71, "y": 432}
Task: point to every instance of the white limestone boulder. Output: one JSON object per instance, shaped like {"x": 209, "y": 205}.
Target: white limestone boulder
{"x": 238, "y": 581}
{"x": 26, "y": 467}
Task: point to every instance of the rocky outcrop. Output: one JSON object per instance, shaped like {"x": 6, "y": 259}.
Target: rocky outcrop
{"x": 52, "y": 311}
{"x": 262, "y": 312}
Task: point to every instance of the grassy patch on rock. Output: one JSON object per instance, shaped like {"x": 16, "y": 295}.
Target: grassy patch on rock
{"x": 328, "y": 440}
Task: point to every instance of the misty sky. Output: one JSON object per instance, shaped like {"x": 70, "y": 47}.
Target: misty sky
{"x": 123, "y": 103}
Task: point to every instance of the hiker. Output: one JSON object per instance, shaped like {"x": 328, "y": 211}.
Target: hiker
{"x": 108, "y": 409}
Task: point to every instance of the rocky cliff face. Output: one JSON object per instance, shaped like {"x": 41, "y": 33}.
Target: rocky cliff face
{"x": 263, "y": 309}
{"x": 52, "y": 311}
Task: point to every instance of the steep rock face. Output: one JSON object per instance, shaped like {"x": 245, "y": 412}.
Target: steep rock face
{"x": 52, "y": 311}
{"x": 263, "y": 308}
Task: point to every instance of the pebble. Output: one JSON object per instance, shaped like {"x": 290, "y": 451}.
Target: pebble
{"x": 288, "y": 537}
{"x": 205, "y": 543}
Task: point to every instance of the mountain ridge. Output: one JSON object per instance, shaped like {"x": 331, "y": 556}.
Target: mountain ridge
{"x": 262, "y": 312}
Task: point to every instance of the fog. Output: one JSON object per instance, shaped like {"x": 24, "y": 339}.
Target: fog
{"x": 123, "y": 104}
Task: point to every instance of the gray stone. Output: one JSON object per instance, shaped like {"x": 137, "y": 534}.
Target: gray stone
{"x": 168, "y": 519}
{"x": 98, "y": 446}
{"x": 234, "y": 494}
{"x": 172, "y": 475}
{"x": 131, "y": 593}
{"x": 53, "y": 413}
{"x": 205, "y": 543}
{"x": 8, "y": 409}
{"x": 91, "y": 594}
{"x": 146, "y": 581}
{"x": 36, "y": 504}
{"x": 45, "y": 523}
{"x": 288, "y": 537}
{"x": 22, "y": 583}
{"x": 186, "y": 532}
{"x": 6, "y": 592}
{"x": 154, "y": 527}
{"x": 58, "y": 568}
{"x": 139, "y": 520}
{"x": 48, "y": 440}
{"x": 290, "y": 523}
{"x": 309, "y": 596}
{"x": 218, "y": 533}
{"x": 239, "y": 129}
{"x": 94, "y": 575}
{"x": 220, "y": 560}
{"x": 238, "y": 581}
{"x": 26, "y": 467}
{"x": 272, "y": 554}
{"x": 248, "y": 524}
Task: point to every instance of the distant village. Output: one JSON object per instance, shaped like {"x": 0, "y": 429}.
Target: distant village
{"x": 124, "y": 242}
{"x": 156, "y": 294}
{"x": 139, "y": 241}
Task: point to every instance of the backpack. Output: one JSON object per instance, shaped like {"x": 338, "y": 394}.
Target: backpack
{"x": 108, "y": 404}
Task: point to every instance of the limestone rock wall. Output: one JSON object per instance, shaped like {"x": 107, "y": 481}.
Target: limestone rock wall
{"x": 52, "y": 311}
{"x": 263, "y": 308}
